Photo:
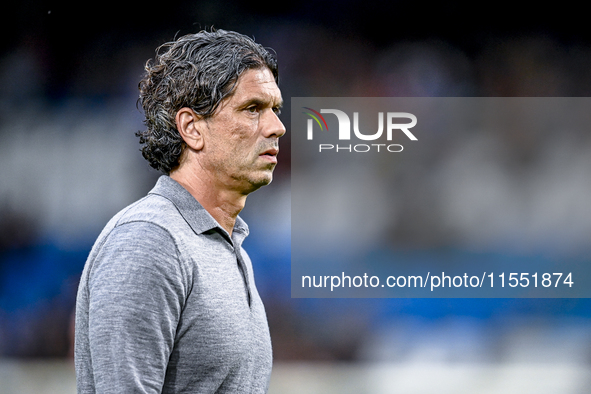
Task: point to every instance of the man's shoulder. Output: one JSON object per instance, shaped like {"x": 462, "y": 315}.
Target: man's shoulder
{"x": 151, "y": 211}
{"x": 152, "y": 208}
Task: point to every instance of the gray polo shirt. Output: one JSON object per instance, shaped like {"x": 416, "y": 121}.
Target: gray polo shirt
{"x": 167, "y": 303}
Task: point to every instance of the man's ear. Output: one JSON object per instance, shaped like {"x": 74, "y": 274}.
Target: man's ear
{"x": 189, "y": 125}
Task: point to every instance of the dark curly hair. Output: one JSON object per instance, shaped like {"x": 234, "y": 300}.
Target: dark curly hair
{"x": 196, "y": 71}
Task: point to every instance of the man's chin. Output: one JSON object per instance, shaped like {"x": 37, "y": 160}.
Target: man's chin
{"x": 255, "y": 181}
{"x": 263, "y": 181}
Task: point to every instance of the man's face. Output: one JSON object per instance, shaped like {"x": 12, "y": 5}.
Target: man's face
{"x": 241, "y": 138}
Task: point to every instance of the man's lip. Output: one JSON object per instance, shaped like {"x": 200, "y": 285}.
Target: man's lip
{"x": 272, "y": 152}
{"x": 270, "y": 155}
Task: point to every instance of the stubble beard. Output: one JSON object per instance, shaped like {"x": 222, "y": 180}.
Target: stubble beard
{"x": 247, "y": 178}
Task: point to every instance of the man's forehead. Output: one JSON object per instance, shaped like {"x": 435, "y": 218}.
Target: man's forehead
{"x": 258, "y": 83}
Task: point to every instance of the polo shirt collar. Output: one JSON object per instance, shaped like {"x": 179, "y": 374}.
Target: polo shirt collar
{"x": 192, "y": 211}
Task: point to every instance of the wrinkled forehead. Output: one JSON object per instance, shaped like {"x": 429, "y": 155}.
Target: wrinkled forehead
{"x": 257, "y": 84}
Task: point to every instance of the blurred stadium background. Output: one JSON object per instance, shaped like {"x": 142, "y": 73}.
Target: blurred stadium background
{"x": 69, "y": 159}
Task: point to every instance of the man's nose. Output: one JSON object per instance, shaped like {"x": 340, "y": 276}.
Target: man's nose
{"x": 273, "y": 126}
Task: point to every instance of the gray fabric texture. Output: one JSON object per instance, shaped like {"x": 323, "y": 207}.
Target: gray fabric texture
{"x": 167, "y": 304}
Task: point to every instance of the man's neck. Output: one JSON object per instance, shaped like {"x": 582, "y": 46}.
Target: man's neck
{"x": 222, "y": 204}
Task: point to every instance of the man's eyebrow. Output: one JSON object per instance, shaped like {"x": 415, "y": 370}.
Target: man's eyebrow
{"x": 262, "y": 102}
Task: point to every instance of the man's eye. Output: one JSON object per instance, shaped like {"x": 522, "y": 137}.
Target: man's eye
{"x": 252, "y": 109}
{"x": 277, "y": 111}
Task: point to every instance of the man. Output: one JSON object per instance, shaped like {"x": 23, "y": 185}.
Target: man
{"x": 167, "y": 301}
